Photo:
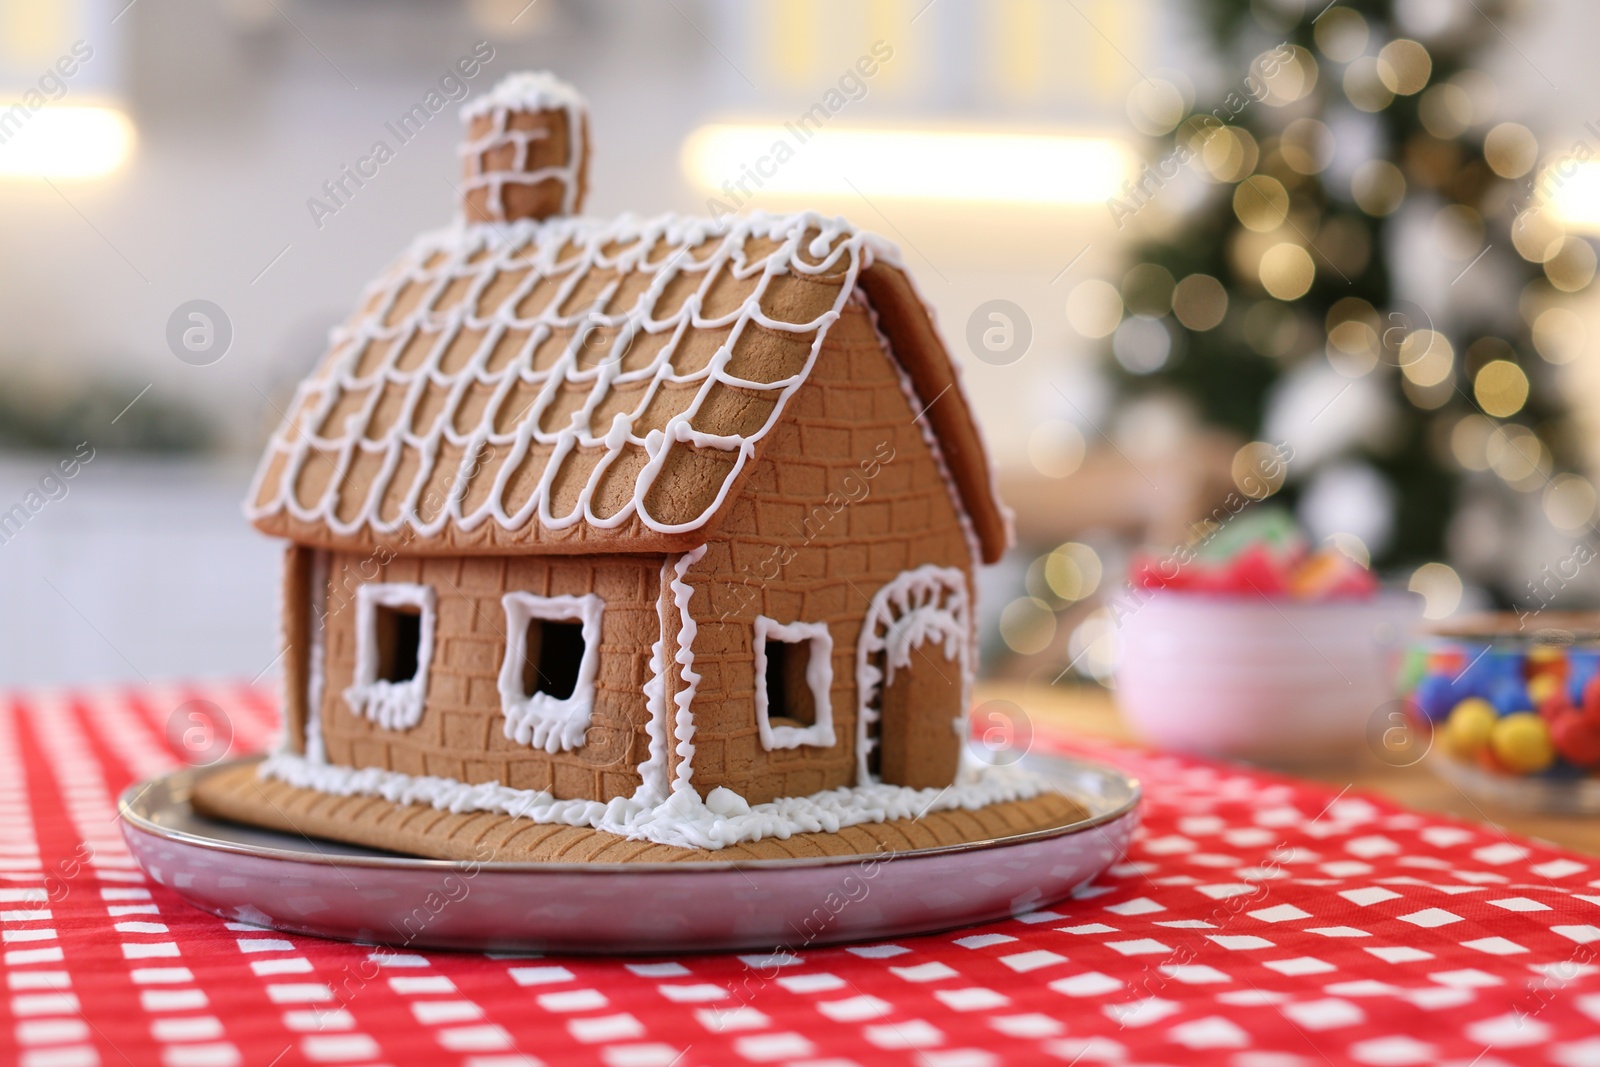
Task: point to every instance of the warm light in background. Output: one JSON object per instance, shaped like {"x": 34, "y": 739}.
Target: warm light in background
{"x": 1574, "y": 196}
{"x": 1019, "y": 168}
{"x": 68, "y": 142}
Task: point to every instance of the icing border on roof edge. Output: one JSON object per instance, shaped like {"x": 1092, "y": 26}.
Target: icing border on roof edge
{"x": 640, "y": 235}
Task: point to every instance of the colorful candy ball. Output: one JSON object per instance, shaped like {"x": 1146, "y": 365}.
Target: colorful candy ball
{"x": 1466, "y": 731}
{"x": 1544, "y": 685}
{"x": 1521, "y": 741}
{"x": 1576, "y": 740}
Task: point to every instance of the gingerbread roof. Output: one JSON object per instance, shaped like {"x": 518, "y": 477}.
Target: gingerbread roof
{"x": 581, "y": 385}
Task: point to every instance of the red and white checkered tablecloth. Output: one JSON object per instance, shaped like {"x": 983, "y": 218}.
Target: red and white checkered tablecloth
{"x": 1257, "y": 922}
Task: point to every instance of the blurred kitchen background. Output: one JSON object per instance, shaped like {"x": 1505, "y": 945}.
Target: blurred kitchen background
{"x": 1380, "y": 259}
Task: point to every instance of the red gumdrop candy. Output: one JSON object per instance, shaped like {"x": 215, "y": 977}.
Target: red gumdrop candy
{"x": 1556, "y": 706}
{"x": 1255, "y": 571}
{"x": 1591, "y": 701}
{"x": 1576, "y": 740}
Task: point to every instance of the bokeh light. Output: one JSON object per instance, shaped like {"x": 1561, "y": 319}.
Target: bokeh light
{"x": 1511, "y": 150}
{"x": 1518, "y": 456}
{"x": 1142, "y": 344}
{"x": 1228, "y": 153}
{"x": 1572, "y": 266}
{"x": 1200, "y": 302}
{"x": 1353, "y": 348}
{"x": 1155, "y": 106}
{"x": 1440, "y": 587}
{"x": 1341, "y": 34}
{"x": 1500, "y": 388}
{"x": 1352, "y": 546}
{"x": 1261, "y": 202}
{"x": 1056, "y": 448}
{"x": 1027, "y": 626}
{"x": 1287, "y": 271}
{"x": 1481, "y": 90}
{"x": 1073, "y": 571}
{"x": 1426, "y": 357}
{"x": 1559, "y": 335}
{"x": 1445, "y": 111}
{"x": 1378, "y": 187}
{"x": 1469, "y": 441}
{"x": 1306, "y": 146}
{"x": 1569, "y": 502}
{"x": 1292, "y": 79}
{"x": 1537, "y": 235}
{"x": 1404, "y": 67}
{"x": 1093, "y": 646}
{"x": 1094, "y": 307}
{"x": 1363, "y": 86}
{"x": 1259, "y": 470}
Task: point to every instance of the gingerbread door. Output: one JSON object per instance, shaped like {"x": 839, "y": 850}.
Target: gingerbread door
{"x": 912, "y": 670}
{"x": 918, "y": 716}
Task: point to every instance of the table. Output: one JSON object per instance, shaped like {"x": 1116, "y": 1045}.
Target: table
{"x": 1256, "y": 921}
{"x": 1091, "y": 712}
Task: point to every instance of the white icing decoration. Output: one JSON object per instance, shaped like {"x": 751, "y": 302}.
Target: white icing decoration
{"x": 723, "y": 819}
{"x": 925, "y": 604}
{"x": 624, "y": 245}
{"x": 819, "y": 677}
{"x": 530, "y": 91}
{"x": 653, "y": 786}
{"x": 318, "y": 623}
{"x": 683, "y": 727}
{"x": 392, "y": 705}
{"x": 963, "y": 515}
{"x": 538, "y": 719}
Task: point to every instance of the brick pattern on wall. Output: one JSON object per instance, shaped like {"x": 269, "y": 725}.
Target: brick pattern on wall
{"x": 835, "y": 553}
{"x": 846, "y": 496}
{"x": 461, "y": 734}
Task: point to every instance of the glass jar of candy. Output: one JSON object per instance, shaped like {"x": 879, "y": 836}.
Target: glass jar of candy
{"x": 1513, "y": 709}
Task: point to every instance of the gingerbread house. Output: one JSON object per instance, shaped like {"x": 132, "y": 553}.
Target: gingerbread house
{"x": 589, "y": 518}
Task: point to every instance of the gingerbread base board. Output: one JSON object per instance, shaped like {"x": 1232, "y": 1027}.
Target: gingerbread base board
{"x": 286, "y": 882}
{"x": 236, "y": 793}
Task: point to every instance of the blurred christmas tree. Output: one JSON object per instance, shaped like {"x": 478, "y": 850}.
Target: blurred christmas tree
{"x": 1372, "y": 274}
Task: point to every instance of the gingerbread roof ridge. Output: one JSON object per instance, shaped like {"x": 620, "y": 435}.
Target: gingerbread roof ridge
{"x": 573, "y": 375}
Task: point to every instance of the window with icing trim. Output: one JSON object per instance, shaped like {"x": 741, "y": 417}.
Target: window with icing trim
{"x": 547, "y": 675}
{"x": 794, "y": 678}
{"x": 395, "y": 625}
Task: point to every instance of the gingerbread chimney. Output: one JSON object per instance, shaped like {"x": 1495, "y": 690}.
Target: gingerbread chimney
{"x": 526, "y": 154}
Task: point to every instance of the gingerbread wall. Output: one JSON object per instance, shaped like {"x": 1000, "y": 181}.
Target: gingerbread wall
{"x": 461, "y": 734}
{"x": 838, "y": 428}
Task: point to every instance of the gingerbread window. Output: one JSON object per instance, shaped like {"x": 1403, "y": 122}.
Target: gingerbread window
{"x": 794, "y": 675}
{"x": 394, "y": 649}
{"x": 547, "y": 679}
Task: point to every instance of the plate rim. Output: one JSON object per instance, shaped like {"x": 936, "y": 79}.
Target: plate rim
{"x": 135, "y": 821}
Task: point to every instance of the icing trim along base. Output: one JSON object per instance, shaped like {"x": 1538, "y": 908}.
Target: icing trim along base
{"x": 723, "y": 818}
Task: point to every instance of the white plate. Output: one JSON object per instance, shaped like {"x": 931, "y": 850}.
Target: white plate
{"x": 304, "y": 886}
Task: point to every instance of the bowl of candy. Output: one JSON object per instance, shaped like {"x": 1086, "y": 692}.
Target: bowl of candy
{"x": 1254, "y": 645}
{"x": 1514, "y": 709}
